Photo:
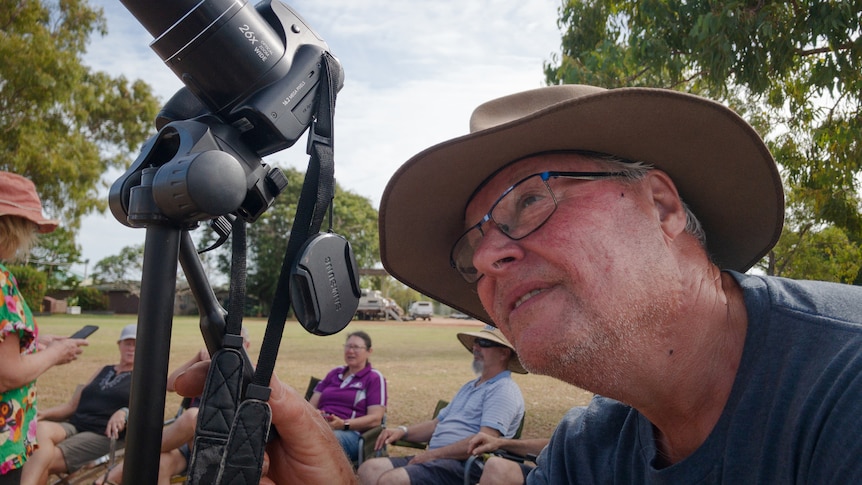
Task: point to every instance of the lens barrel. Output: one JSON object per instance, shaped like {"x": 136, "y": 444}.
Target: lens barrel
{"x": 221, "y": 49}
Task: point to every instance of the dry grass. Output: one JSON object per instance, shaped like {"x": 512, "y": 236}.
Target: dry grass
{"x": 422, "y": 362}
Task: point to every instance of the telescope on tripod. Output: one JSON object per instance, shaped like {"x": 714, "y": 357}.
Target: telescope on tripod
{"x": 256, "y": 77}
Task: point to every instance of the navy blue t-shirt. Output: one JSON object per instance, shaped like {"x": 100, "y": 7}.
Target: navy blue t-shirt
{"x": 794, "y": 414}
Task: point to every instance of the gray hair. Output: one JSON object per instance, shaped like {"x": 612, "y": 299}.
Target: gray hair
{"x": 635, "y": 171}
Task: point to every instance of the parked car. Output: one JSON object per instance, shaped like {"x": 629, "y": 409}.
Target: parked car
{"x": 461, "y": 316}
{"x": 421, "y": 309}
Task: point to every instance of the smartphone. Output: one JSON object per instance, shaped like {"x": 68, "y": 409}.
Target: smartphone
{"x": 85, "y": 331}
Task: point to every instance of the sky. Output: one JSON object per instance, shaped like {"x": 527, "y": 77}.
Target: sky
{"x": 414, "y": 71}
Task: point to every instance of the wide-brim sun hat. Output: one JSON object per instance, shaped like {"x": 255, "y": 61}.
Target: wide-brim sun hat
{"x": 18, "y": 197}
{"x": 493, "y": 334}
{"x": 719, "y": 164}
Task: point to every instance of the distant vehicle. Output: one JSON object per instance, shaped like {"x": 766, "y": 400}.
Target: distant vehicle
{"x": 421, "y": 309}
{"x": 373, "y": 306}
{"x": 461, "y": 316}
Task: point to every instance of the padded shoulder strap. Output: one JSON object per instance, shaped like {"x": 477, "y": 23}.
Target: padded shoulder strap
{"x": 222, "y": 393}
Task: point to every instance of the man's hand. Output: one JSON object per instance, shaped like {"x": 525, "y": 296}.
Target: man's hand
{"x": 484, "y": 443}
{"x": 387, "y": 437}
{"x": 305, "y": 450}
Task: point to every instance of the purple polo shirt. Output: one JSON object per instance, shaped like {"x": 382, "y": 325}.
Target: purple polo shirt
{"x": 349, "y": 398}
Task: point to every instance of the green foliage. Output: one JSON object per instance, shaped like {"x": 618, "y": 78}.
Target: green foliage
{"x": 32, "y": 283}
{"x": 353, "y": 217}
{"x": 826, "y": 255}
{"x": 810, "y": 250}
{"x": 793, "y": 69}
{"x": 54, "y": 254}
{"x": 63, "y": 124}
{"x": 121, "y": 268}
{"x": 91, "y": 299}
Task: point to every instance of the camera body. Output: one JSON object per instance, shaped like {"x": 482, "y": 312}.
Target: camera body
{"x": 255, "y": 68}
{"x": 252, "y": 78}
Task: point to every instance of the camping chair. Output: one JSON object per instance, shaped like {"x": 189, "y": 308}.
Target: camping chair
{"x": 421, "y": 445}
{"x": 367, "y": 439}
{"x": 100, "y": 466}
{"x": 479, "y": 460}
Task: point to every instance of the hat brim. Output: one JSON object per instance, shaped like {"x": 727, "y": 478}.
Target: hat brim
{"x": 467, "y": 339}
{"x": 43, "y": 225}
{"x": 47, "y": 225}
{"x": 719, "y": 164}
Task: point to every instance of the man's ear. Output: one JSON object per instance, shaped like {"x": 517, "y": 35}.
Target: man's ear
{"x": 667, "y": 202}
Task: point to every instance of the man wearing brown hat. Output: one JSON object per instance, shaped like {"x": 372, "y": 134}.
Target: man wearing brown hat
{"x": 606, "y": 233}
{"x": 492, "y": 403}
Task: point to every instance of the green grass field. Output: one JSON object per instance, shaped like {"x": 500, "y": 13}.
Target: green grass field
{"x": 422, "y": 362}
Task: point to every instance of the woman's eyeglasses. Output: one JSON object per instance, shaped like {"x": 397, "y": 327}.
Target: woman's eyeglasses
{"x": 354, "y": 347}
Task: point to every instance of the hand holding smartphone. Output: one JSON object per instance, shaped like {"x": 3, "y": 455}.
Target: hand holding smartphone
{"x": 85, "y": 331}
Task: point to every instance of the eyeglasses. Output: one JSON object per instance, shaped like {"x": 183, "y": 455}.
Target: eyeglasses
{"x": 354, "y": 347}
{"x": 521, "y": 210}
{"x": 486, "y": 344}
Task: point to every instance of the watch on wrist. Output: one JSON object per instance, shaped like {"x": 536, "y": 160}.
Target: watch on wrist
{"x": 346, "y": 425}
{"x": 403, "y": 428}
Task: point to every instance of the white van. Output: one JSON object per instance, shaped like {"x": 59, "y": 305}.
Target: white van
{"x": 421, "y": 309}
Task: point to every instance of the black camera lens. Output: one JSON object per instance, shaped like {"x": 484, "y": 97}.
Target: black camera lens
{"x": 221, "y": 49}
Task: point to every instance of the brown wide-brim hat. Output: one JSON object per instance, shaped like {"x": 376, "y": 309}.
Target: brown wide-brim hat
{"x": 18, "y": 197}
{"x": 719, "y": 164}
{"x": 493, "y": 334}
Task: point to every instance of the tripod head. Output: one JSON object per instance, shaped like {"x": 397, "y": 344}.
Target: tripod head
{"x": 252, "y": 78}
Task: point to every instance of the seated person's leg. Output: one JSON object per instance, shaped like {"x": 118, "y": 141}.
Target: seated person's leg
{"x": 181, "y": 431}
{"x": 82, "y": 448}
{"x": 443, "y": 471}
{"x": 176, "y": 435}
{"x": 349, "y": 441}
{"x": 500, "y": 471}
{"x": 370, "y": 470}
{"x": 171, "y": 463}
{"x": 396, "y": 471}
{"x": 47, "y": 458}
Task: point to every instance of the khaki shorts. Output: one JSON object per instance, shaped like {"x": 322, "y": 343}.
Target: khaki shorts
{"x": 80, "y": 448}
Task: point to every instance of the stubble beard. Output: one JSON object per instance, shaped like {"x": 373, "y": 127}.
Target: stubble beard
{"x": 601, "y": 355}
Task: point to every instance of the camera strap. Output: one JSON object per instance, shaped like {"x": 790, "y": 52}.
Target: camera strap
{"x": 234, "y": 426}
{"x": 223, "y": 388}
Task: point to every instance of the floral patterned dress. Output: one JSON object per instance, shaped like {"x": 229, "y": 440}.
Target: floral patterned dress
{"x": 17, "y": 406}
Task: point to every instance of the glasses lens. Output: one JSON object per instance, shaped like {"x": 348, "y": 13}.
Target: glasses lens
{"x": 522, "y": 209}
{"x": 484, "y": 343}
{"x": 462, "y": 255}
{"x": 353, "y": 347}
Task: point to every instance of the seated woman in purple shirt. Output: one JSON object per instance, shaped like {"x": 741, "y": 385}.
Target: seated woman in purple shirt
{"x": 352, "y": 397}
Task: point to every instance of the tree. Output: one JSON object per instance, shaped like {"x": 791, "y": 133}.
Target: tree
{"x": 793, "y": 69}
{"x": 55, "y": 253}
{"x": 353, "y": 217}
{"x": 91, "y": 299}
{"x": 812, "y": 250}
{"x": 121, "y": 270}
{"x": 62, "y": 124}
